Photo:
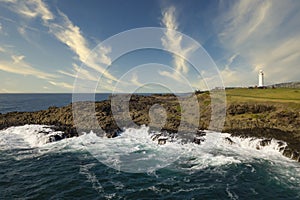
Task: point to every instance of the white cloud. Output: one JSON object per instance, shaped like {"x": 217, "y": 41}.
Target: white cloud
{"x": 173, "y": 42}
{"x": 30, "y": 8}
{"x": 267, "y": 35}
{"x": 61, "y": 84}
{"x": 67, "y": 33}
{"x": 19, "y": 66}
{"x": 135, "y": 81}
{"x": 84, "y": 74}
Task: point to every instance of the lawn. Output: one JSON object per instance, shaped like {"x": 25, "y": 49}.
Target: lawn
{"x": 287, "y": 96}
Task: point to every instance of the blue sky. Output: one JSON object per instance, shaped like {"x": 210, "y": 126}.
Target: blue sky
{"x": 44, "y": 44}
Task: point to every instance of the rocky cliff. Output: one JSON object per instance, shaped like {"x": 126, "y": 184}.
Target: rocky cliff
{"x": 244, "y": 119}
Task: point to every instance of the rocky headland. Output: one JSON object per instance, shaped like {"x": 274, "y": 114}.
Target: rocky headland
{"x": 244, "y": 118}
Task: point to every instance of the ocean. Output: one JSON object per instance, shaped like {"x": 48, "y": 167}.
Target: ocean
{"x": 132, "y": 166}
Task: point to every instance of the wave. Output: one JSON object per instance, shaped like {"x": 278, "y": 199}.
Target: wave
{"x": 135, "y": 151}
{"x": 221, "y": 163}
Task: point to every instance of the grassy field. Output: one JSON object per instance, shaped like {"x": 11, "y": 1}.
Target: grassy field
{"x": 278, "y": 95}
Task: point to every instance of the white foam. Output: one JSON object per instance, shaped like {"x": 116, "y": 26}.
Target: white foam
{"x": 27, "y": 136}
{"x": 135, "y": 151}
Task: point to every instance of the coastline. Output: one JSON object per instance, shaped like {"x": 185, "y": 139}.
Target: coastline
{"x": 256, "y": 119}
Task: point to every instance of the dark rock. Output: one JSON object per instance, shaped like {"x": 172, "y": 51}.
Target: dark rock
{"x": 112, "y": 134}
{"x": 280, "y": 143}
{"x": 155, "y": 137}
{"x": 162, "y": 140}
{"x": 229, "y": 140}
{"x": 281, "y": 149}
{"x": 265, "y": 142}
{"x": 54, "y": 138}
{"x": 200, "y": 133}
{"x": 198, "y": 140}
{"x": 287, "y": 152}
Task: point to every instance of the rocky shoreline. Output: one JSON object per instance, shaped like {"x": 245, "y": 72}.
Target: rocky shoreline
{"x": 243, "y": 119}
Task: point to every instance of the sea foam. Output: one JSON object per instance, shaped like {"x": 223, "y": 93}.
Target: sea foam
{"x": 135, "y": 151}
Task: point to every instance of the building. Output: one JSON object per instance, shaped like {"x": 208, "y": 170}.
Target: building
{"x": 261, "y": 79}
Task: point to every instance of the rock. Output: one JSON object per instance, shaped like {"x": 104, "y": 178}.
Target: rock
{"x": 54, "y": 138}
{"x": 281, "y": 149}
{"x": 200, "y": 133}
{"x": 162, "y": 140}
{"x": 295, "y": 156}
{"x": 280, "y": 143}
{"x": 198, "y": 140}
{"x": 111, "y": 134}
{"x": 229, "y": 140}
{"x": 265, "y": 142}
{"x": 255, "y": 120}
{"x": 155, "y": 137}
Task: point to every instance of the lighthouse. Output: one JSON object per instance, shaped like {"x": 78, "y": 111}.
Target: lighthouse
{"x": 261, "y": 78}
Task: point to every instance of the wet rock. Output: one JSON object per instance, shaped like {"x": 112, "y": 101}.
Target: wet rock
{"x": 198, "y": 140}
{"x": 265, "y": 142}
{"x": 162, "y": 140}
{"x": 200, "y": 133}
{"x": 155, "y": 137}
{"x": 54, "y": 138}
{"x": 111, "y": 134}
{"x": 280, "y": 143}
{"x": 229, "y": 140}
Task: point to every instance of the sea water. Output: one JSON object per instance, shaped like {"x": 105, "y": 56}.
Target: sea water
{"x": 34, "y": 169}
{"x": 132, "y": 166}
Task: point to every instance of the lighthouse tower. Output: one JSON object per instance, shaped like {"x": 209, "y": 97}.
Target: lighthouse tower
{"x": 261, "y": 79}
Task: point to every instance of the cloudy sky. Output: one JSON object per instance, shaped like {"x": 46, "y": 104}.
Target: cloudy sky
{"x": 44, "y": 45}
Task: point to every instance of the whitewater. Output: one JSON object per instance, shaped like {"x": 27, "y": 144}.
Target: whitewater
{"x": 132, "y": 165}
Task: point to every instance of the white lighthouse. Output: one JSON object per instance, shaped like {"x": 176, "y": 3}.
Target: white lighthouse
{"x": 261, "y": 78}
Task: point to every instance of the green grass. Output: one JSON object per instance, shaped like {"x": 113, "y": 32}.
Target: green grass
{"x": 277, "y": 95}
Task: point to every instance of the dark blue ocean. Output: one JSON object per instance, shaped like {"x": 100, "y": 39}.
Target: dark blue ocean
{"x": 132, "y": 166}
{"x": 35, "y": 102}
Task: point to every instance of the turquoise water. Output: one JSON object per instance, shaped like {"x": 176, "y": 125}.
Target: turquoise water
{"x": 78, "y": 175}
{"x": 89, "y": 167}
{"x": 66, "y": 169}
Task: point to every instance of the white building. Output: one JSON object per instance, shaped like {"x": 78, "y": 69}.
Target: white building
{"x": 261, "y": 79}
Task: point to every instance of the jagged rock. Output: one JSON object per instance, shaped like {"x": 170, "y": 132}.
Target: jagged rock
{"x": 162, "y": 140}
{"x": 281, "y": 149}
{"x": 265, "y": 142}
{"x": 295, "y": 155}
{"x": 229, "y": 140}
{"x": 280, "y": 143}
{"x": 198, "y": 140}
{"x": 111, "y": 134}
{"x": 243, "y": 119}
{"x": 200, "y": 133}
{"x": 54, "y": 138}
{"x": 155, "y": 137}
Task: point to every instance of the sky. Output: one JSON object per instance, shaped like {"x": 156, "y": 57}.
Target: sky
{"x": 55, "y": 46}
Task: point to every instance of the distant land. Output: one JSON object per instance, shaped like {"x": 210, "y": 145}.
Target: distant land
{"x": 286, "y": 85}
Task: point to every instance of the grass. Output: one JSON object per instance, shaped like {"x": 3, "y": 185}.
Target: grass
{"x": 282, "y": 95}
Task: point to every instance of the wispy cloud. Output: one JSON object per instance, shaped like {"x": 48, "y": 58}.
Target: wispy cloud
{"x": 61, "y": 84}
{"x": 266, "y": 34}
{"x": 173, "y": 43}
{"x": 66, "y": 32}
{"x": 18, "y": 66}
{"x": 84, "y": 74}
{"x": 135, "y": 81}
{"x": 30, "y": 8}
